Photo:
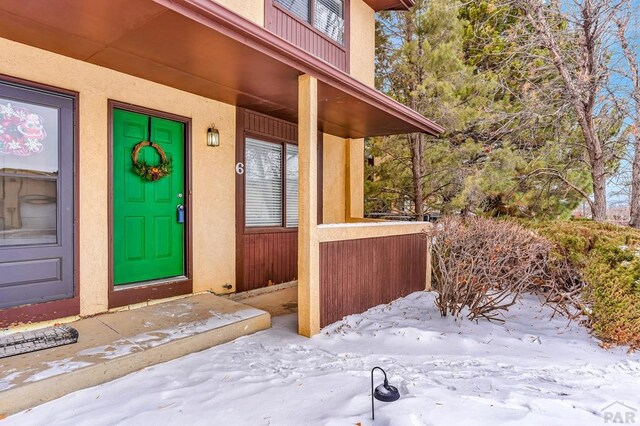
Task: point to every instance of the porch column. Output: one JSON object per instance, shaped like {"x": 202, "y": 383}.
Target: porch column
{"x": 354, "y": 192}
{"x": 308, "y": 245}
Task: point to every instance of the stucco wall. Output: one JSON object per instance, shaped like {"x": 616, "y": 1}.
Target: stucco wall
{"x": 213, "y": 172}
{"x": 333, "y": 179}
{"x": 363, "y": 42}
{"x": 253, "y": 10}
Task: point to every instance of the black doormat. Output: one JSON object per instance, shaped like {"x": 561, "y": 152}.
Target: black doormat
{"x": 37, "y": 340}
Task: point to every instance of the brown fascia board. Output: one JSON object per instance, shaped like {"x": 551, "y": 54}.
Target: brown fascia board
{"x": 236, "y": 27}
{"x": 379, "y": 5}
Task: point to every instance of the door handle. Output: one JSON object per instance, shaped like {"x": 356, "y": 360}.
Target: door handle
{"x": 180, "y": 211}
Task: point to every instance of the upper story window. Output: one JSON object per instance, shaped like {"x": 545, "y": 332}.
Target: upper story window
{"x": 326, "y": 16}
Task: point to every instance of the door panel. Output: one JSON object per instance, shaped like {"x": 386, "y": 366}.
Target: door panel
{"x": 148, "y": 241}
{"x": 36, "y": 196}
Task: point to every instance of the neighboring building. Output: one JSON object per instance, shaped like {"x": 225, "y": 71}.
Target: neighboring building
{"x": 286, "y": 85}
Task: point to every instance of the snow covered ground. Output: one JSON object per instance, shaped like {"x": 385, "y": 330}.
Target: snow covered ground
{"x": 529, "y": 371}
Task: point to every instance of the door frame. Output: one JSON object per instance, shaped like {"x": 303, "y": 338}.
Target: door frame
{"x": 160, "y": 289}
{"x": 65, "y": 307}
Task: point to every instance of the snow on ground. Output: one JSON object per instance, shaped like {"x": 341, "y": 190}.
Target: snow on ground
{"x": 529, "y": 371}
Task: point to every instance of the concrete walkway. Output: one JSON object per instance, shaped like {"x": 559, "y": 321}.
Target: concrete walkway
{"x": 115, "y": 344}
{"x": 280, "y": 299}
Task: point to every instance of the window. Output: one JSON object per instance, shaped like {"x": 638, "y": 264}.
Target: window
{"x": 28, "y": 173}
{"x": 267, "y": 194}
{"x": 36, "y": 195}
{"x": 326, "y": 16}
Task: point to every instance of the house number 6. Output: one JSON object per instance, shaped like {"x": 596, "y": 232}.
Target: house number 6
{"x": 240, "y": 168}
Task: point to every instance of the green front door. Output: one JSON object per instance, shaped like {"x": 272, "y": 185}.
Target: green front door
{"x": 148, "y": 237}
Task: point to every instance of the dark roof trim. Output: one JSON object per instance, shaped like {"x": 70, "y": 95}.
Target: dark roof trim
{"x": 223, "y": 20}
{"x": 379, "y": 5}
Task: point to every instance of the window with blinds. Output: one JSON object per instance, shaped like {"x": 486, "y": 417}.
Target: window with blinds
{"x": 300, "y": 8}
{"x": 263, "y": 183}
{"x": 265, "y": 163}
{"x": 292, "y": 185}
{"x": 329, "y": 18}
{"x": 326, "y": 16}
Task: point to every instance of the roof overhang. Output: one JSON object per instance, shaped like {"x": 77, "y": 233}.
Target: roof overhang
{"x": 201, "y": 47}
{"x": 379, "y": 5}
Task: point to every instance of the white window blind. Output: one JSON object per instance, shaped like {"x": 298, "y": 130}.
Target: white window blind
{"x": 292, "y": 186}
{"x": 329, "y": 18}
{"x": 298, "y": 7}
{"x": 263, "y": 183}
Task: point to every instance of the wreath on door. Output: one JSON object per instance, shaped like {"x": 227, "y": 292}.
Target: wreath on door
{"x": 150, "y": 172}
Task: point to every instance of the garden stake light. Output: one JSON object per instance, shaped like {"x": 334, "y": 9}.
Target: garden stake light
{"x": 384, "y": 392}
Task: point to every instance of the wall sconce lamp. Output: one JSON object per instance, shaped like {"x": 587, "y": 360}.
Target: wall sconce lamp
{"x": 213, "y": 136}
{"x": 384, "y": 392}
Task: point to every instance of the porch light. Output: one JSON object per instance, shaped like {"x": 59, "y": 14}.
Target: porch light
{"x": 213, "y": 136}
{"x": 384, "y": 392}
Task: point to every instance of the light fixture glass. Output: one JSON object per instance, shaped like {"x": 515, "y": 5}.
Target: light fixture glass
{"x": 213, "y": 136}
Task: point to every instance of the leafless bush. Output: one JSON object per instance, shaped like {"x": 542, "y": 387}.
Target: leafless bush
{"x": 485, "y": 265}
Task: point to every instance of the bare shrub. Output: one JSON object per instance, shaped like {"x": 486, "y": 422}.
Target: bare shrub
{"x": 484, "y": 265}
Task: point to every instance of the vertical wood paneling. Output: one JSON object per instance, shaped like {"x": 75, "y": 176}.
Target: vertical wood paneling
{"x": 269, "y": 258}
{"x": 356, "y": 275}
{"x": 261, "y": 124}
{"x": 264, "y": 257}
{"x": 301, "y": 35}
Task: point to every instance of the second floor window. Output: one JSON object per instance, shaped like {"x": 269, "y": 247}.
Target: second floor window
{"x": 326, "y": 16}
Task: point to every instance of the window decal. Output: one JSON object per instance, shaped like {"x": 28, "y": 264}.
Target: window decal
{"x": 21, "y": 131}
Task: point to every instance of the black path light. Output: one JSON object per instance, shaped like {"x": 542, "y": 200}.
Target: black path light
{"x": 384, "y": 392}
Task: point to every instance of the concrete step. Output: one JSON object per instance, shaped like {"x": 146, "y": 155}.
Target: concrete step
{"x": 113, "y": 345}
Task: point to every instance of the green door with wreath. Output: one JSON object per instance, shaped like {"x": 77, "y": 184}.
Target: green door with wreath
{"x": 148, "y": 226}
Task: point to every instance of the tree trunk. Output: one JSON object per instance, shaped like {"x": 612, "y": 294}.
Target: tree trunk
{"x": 599, "y": 206}
{"x": 417, "y": 169}
{"x": 634, "y": 216}
{"x": 598, "y": 177}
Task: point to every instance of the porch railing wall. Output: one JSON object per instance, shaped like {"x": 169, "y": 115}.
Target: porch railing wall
{"x": 357, "y": 274}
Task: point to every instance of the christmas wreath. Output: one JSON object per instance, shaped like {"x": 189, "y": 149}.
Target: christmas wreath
{"x": 150, "y": 172}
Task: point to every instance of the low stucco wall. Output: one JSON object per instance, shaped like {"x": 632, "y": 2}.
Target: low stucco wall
{"x": 354, "y": 231}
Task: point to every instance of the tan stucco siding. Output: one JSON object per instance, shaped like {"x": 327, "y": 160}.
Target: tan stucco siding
{"x": 333, "y": 179}
{"x": 363, "y": 42}
{"x": 213, "y": 168}
{"x": 253, "y": 10}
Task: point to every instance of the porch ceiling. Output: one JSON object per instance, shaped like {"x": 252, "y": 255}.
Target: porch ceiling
{"x": 203, "y": 48}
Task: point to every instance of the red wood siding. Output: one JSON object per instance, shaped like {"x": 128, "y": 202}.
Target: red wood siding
{"x": 265, "y": 255}
{"x": 356, "y": 275}
{"x": 303, "y": 35}
{"x": 264, "y": 125}
{"x": 270, "y": 258}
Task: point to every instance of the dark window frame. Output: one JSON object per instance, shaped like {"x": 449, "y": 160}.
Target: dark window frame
{"x": 283, "y": 180}
{"x": 56, "y": 309}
